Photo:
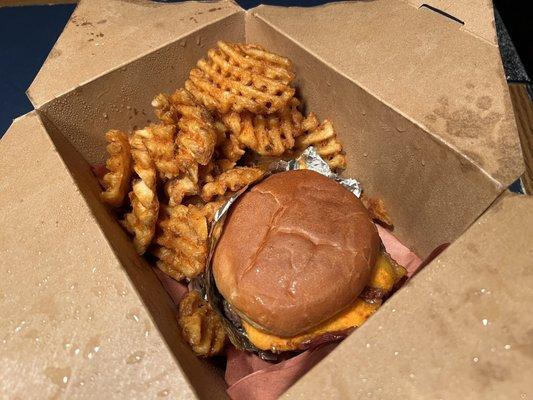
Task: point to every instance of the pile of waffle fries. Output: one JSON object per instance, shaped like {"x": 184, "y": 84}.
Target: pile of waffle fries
{"x": 238, "y": 101}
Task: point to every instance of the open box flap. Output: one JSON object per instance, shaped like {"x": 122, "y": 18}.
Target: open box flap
{"x": 74, "y": 321}
{"x": 462, "y": 328}
{"x": 476, "y": 15}
{"x": 104, "y": 34}
{"x": 425, "y": 65}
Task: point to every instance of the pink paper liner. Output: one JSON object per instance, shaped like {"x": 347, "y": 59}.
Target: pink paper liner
{"x": 99, "y": 170}
{"x": 175, "y": 289}
{"x": 271, "y": 380}
{"x": 241, "y": 364}
{"x": 400, "y": 253}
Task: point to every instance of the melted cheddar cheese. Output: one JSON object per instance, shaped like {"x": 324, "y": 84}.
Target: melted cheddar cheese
{"x": 384, "y": 276}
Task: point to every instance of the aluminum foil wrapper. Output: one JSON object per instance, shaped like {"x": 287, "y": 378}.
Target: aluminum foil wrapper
{"x": 309, "y": 159}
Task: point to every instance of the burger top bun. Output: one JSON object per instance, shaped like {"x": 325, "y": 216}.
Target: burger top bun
{"x": 295, "y": 250}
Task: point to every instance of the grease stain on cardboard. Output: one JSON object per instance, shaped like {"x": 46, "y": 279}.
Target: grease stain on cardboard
{"x": 465, "y": 122}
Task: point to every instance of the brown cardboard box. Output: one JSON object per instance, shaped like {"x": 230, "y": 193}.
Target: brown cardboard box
{"x": 422, "y": 106}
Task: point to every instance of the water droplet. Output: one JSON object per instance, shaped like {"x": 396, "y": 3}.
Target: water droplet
{"x": 163, "y": 393}
{"x": 507, "y": 347}
{"x": 411, "y": 375}
{"x": 523, "y": 396}
{"x": 423, "y": 163}
{"x": 365, "y": 154}
{"x": 90, "y": 351}
{"x": 58, "y": 376}
{"x": 133, "y": 315}
{"x": 396, "y": 353}
{"x": 147, "y": 328}
{"x": 485, "y": 321}
{"x": 475, "y": 359}
{"x": 135, "y": 358}
{"x": 367, "y": 345}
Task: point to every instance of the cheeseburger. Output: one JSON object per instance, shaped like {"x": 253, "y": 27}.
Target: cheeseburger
{"x": 299, "y": 260}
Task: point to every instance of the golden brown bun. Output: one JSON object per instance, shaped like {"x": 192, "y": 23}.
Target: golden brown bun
{"x": 296, "y": 249}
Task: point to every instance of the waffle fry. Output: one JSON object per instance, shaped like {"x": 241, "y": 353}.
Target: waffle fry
{"x": 233, "y": 180}
{"x": 164, "y": 263}
{"x": 231, "y": 149}
{"x": 200, "y": 326}
{"x": 208, "y": 173}
{"x": 177, "y": 189}
{"x": 164, "y": 110}
{"x": 209, "y": 209}
{"x": 117, "y": 181}
{"x": 228, "y": 149}
{"x": 238, "y": 77}
{"x": 197, "y": 135}
{"x": 324, "y": 139}
{"x": 183, "y": 240}
{"x": 194, "y": 144}
{"x": 159, "y": 141}
{"x": 291, "y": 123}
{"x": 376, "y": 208}
{"x": 141, "y": 221}
{"x": 225, "y": 165}
{"x": 269, "y": 135}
